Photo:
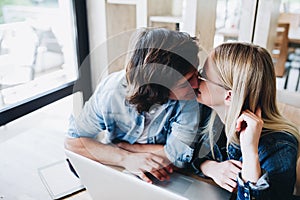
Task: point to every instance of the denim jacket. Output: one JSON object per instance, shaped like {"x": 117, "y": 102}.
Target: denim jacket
{"x": 175, "y": 126}
{"x": 277, "y": 156}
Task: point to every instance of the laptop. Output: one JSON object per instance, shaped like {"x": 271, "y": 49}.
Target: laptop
{"x": 104, "y": 182}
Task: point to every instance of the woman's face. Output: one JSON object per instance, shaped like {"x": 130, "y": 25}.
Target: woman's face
{"x": 210, "y": 91}
{"x": 186, "y": 88}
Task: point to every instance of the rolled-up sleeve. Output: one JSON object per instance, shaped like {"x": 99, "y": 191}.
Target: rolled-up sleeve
{"x": 278, "y": 158}
{"x": 179, "y": 147}
{"x": 248, "y": 190}
{"x": 178, "y": 152}
{"x": 89, "y": 123}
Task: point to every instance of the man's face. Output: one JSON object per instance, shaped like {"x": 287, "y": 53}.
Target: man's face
{"x": 186, "y": 88}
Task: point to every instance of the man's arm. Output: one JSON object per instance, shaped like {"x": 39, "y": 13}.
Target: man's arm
{"x": 137, "y": 163}
{"x": 157, "y": 149}
{"x": 94, "y": 150}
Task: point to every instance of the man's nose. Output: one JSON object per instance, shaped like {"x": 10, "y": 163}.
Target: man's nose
{"x": 194, "y": 82}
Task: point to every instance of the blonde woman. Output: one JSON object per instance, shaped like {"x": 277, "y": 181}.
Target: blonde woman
{"x": 256, "y": 153}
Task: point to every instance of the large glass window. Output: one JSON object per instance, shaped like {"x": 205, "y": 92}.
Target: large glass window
{"x": 43, "y": 45}
{"x": 290, "y": 6}
{"x": 227, "y": 21}
{"x": 37, "y": 49}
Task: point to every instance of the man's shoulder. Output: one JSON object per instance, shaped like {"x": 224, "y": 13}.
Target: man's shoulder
{"x": 114, "y": 80}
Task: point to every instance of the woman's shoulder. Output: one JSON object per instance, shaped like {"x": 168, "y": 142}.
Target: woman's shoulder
{"x": 278, "y": 137}
{"x": 278, "y": 147}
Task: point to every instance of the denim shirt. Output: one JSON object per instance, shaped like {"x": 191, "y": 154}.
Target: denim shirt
{"x": 277, "y": 156}
{"x": 108, "y": 110}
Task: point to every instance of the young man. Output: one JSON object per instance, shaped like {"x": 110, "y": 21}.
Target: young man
{"x": 148, "y": 112}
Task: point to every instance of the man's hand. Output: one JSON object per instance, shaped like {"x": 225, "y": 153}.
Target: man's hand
{"x": 147, "y": 158}
{"x": 140, "y": 163}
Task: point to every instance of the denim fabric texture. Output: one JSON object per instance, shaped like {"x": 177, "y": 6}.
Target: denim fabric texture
{"x": 277, "y": 156}
{"x": 108, "y": 110}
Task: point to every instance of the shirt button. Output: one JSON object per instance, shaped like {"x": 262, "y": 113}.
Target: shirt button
{"x": 245, "y": 195}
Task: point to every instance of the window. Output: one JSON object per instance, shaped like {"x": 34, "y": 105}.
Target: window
{"x": 227, "y": 21}
{"x": 41, "y": 51}
{"x": 290, "y": 6}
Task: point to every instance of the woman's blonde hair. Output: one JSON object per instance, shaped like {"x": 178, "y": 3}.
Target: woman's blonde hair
{"x": 248, "y": 71}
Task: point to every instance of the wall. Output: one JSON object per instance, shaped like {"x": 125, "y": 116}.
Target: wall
{"x": 109, "y": 25}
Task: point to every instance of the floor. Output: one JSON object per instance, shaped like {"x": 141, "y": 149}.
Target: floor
{"x": 36, "y": 140}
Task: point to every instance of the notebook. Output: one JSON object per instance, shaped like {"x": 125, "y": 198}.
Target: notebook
{"x": 59, "y": 180}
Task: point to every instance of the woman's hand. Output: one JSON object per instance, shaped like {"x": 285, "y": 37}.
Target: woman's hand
{"x": 249, "y": 126}
{"x": 249, "y": 139}
{"x": 223, "y": 173}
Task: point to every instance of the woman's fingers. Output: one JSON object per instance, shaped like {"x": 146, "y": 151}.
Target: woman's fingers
{"x": 231, "y": 183}
{"x": 258, "y": 112}
{"x": 237, "y": 164}
{"x": 240, "y": 122}
{"x": 228, "y": 188}
{"x": 249, "y": 121}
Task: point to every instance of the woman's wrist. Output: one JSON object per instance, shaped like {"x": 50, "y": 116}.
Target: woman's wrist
{"x": 249, "y": 150}
{"x": 251, "y": 170}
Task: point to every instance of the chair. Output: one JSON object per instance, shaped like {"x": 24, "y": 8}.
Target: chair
{"x": 280, "y": 50}
{"x": 288, "y": 104}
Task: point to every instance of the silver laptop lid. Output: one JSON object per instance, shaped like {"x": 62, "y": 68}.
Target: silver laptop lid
{"x": 103, "y": 182}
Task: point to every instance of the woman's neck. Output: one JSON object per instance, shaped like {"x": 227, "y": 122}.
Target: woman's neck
{"x": 221, "y": 111}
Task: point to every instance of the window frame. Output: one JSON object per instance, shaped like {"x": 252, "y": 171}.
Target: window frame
{"x": 83, "y": 83}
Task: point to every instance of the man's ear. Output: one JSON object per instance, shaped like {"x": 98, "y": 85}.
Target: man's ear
{"x": 227, "y": 99}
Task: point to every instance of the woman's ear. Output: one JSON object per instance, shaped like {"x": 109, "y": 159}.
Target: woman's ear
{"x": 227, "y": 99}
